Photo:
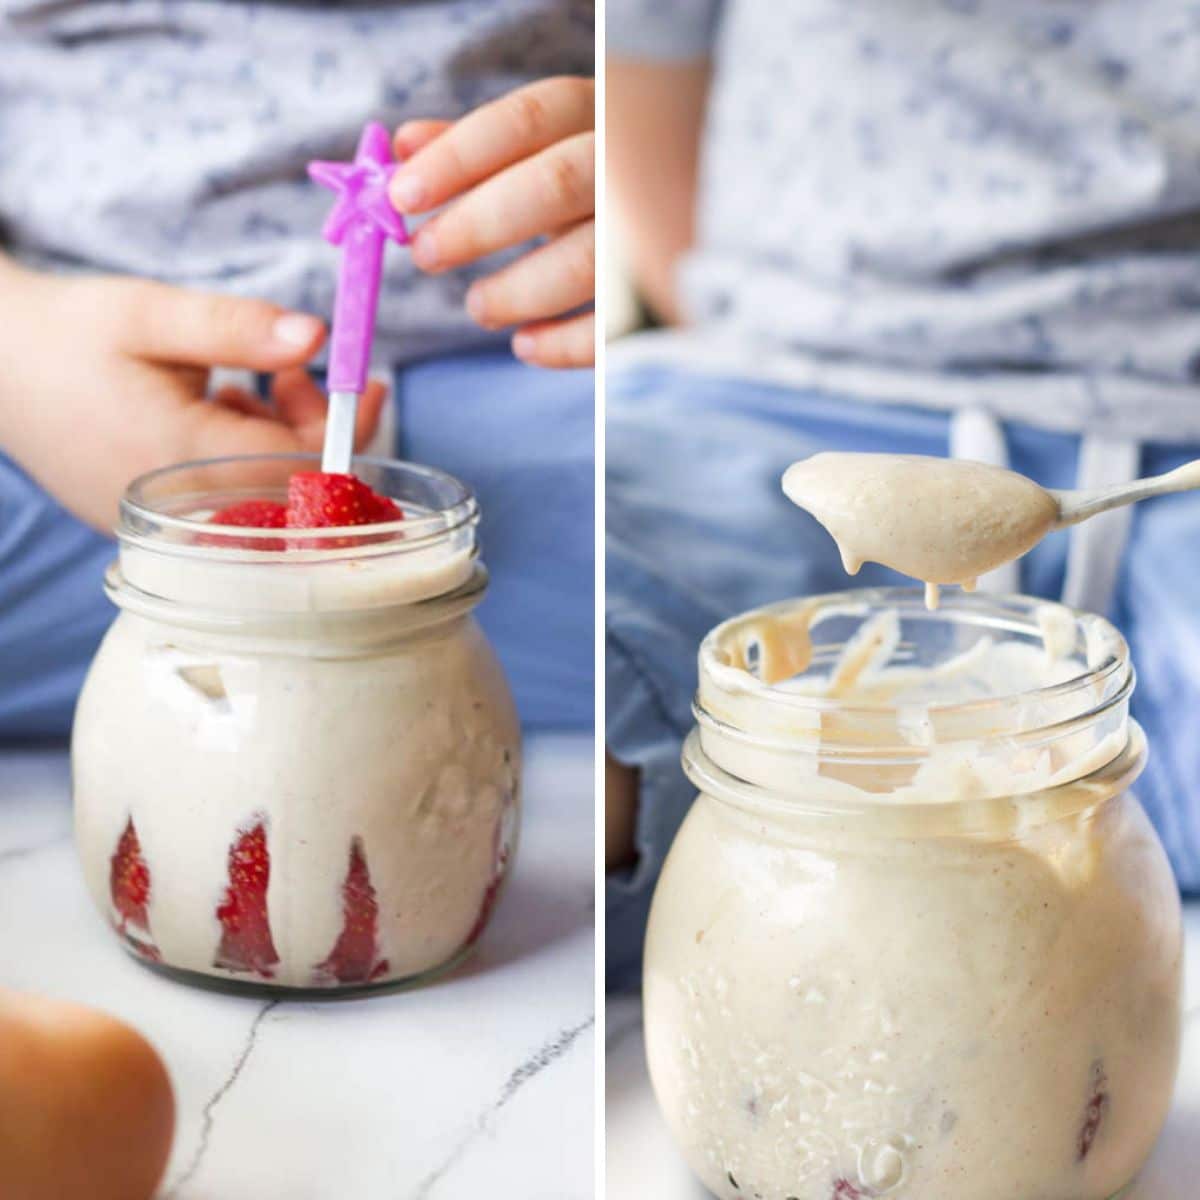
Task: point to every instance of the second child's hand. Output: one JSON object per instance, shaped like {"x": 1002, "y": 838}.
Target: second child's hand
{"x": 106, "y": 377}
{"x": 518, "y": 168}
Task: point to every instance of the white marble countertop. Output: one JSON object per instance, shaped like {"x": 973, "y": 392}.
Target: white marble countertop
{"x": 641, "y": 1162}
{"x": 479, "y": 1085}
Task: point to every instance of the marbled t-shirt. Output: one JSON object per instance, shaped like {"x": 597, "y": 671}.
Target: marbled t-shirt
{"x": 170, "y": 139}
{"x": 1003, "y": 194}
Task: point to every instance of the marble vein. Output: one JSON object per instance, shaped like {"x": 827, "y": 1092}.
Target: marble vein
{"x": 17, "y": 852}
{"x": 208, "y": 1117}
{"x": 529, "y": 1069}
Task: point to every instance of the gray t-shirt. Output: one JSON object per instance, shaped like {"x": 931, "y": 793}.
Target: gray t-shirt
{"x": 170, "y": 139}
{"x": 1000, "y": 193}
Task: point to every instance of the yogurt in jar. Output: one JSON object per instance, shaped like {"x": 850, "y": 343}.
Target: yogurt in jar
{"x": 298, "y": 768}
{"x": 915, "y": 938}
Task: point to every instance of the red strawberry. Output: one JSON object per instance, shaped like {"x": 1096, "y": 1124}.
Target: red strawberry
{"x": 248, "y": 514}
{"x": 1093, "y": 1114}
{"x": 843, "y": 1189}
{"x": 490, "y": 895}
{"x": 501, "y": 852}
{"x": 253, "y": 514}
{"x": 355, "y": 956}
{"x": 129, "y": 887}
{"x": 246, "y": 943}
{"x": 317, "y": 500}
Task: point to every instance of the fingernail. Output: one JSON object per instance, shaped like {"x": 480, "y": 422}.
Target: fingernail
{"x": 407, "y": 191}
{"x": 477, "y": 303}
{"x": 524, "y": 345}
{"x": 424, "y": 248}
{"x": 296, "y": 329}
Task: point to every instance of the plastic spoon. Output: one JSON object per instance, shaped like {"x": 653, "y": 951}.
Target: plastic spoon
{"x": 360, "y": 223}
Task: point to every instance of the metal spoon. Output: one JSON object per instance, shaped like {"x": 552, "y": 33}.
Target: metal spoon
{"x": 1076, "y": 506}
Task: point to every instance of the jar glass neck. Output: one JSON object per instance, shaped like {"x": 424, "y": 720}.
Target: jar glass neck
{"x": 172, "y": 557}
{"x": 866, "y": 696}
{"x": 827, "y": 806}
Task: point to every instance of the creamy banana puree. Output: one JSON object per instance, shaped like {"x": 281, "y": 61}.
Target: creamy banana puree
{"x": 938, "y": 520}
{"x": 950, "y": 971}
{"x": 324, "y": 706}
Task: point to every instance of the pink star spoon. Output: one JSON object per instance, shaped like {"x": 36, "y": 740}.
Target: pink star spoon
{"x": 360, "y": 223}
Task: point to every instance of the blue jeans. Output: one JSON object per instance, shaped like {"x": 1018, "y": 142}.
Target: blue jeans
{"x": 522, "y": 438}
{"x": 698, "y": 530}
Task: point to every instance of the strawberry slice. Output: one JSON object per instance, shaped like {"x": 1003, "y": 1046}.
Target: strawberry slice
{"x": 246, "y": 943}
{"x": 248, "y": 514}
{"x": 843, "y": 1189}
{"x": 318, "y": 500}
{"x": 129, "y": 887}
{"x": 490, "y": 895}
{"x": 1093, "y": 1113}
{"x": 355, "y": 956}
{"x": 502, "y": 846}
{"x": 253, "y": 514}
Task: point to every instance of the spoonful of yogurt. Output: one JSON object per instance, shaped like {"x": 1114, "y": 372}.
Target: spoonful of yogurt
{"x": 946, "y": 520}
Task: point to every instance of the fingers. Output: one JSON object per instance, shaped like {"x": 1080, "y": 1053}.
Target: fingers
{"x": 301, "y": 404}
{"x": 239, "y": 422}
{"x": 215, "y": 430}
{"x": 177, "y": 325}
{"x": 415, "y": 135}
{"x": 552, "y": 279}
{"x": 299, "y": 401}
{"x": 554, "y": 188}
{"x": 370, "y": 406}
{"x": 240, "y": 401}
{"x": 570, "y": 342}
{"x": 493, "y": 137}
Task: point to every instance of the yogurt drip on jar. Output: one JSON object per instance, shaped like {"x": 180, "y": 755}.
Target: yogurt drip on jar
{"x": 938, "y": 520}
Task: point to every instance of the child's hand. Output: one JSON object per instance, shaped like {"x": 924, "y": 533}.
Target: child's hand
{"x": 104, "y": 378}
{"x": 521, "y": 167}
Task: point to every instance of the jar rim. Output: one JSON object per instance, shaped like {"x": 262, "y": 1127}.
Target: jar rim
{"x": 172, "y": 558}
{"x": 755, "y": 721}
{"x": 162, "y": 527}
{"x": 1011, "y": 612}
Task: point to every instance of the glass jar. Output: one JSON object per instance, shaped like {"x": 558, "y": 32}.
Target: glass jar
{"x": 295, "y": 757}
{"x": 916, "y": 937}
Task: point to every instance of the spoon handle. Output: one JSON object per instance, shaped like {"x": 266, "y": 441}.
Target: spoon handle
{"x": 338, "y": 452}
{"x": 1076, "y": 506}
{"x": 361, "y": 222}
